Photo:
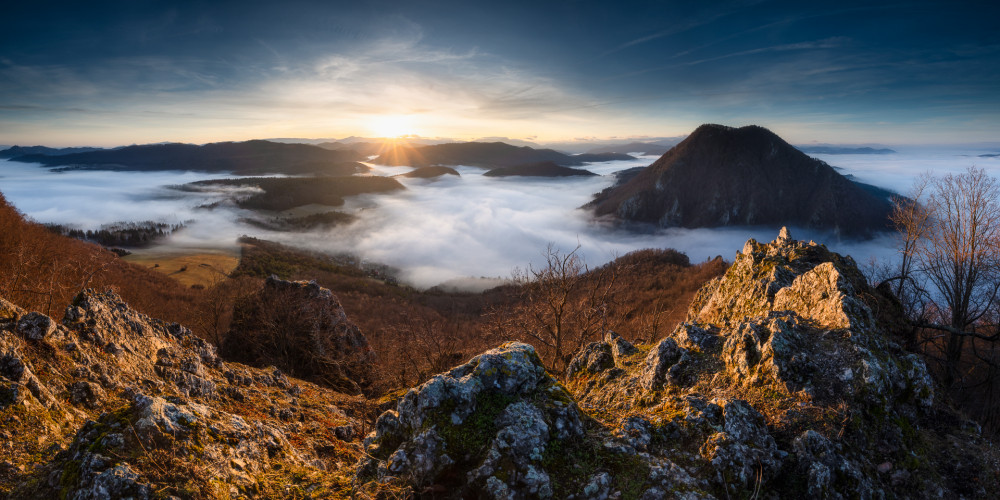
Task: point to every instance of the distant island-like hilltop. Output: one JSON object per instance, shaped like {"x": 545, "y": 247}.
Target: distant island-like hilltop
{"x": 725, "y": 176}
{"x": 540, "y": 169}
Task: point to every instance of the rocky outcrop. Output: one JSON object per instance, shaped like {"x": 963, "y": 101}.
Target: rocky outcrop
{"x": 500, "y": 427}
{"x": 301, "y": 328}
{"x": 109, "y": 403}
{"x": 785, "y": 379}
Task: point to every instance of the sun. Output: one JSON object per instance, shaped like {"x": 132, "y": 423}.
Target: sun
{"x": 391, "y": 126}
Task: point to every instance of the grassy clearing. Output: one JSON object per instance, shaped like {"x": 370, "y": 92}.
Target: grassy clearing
{"x": 200, "y": 267}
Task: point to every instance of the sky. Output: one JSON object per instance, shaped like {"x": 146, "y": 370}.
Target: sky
{"x": 115, "y": 73}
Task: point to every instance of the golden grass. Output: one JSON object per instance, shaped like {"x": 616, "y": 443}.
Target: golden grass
{"x": 200, "y": 267}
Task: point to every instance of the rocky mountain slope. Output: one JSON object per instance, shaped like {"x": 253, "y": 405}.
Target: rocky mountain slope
{"x": 109, "y": 403}
{"x": 721, "y": 176}
{"x": 784, "y": 382}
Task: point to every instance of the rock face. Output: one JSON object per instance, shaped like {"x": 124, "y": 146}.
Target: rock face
{"x": 722, "y": 176}
{"x": 302, "y": 328}
{"x": 784, "y": 379}
{"x": 109, "y": 403}
{"x": 500, "y": 427}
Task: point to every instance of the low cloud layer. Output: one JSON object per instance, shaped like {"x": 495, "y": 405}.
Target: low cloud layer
{"x": 450, "y": 228}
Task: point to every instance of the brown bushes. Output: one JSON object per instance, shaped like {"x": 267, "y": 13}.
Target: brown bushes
{"x": 42, "y": 271}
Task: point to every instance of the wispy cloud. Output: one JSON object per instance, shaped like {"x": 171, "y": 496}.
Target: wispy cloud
{"x": 330, "y": 91}
{"x": 684, "y": 25}
{"x": 827, "y": 43}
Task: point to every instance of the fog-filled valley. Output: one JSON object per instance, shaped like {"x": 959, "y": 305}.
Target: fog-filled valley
{"x": 443, "y": 229}
{"x": 390, "y": 250}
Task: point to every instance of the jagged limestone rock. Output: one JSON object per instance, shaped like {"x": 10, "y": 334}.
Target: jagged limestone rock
{"x": 594, "y": 358}
{"x": 9, "y": 313}
{"x": 423, "y": 442}
{"x": 500, "y": 427}
{"x": 660, "y": 361}
{"x": 785, "y": 275}
{"x": 743, "y": 451}
{"x": 35, "y": 326}
{"x": 691, "y": 336}
{"x": 601, "y": 357}
{"x": 313, "y": 333}
{"x": 620, "y": 348}
{"x": 792, "y": 391}
{"x": 785, "y": 379}
{"x": 823, "y": 296}
{"x": 97, "y": 477}
{"x": 142, "y": 408}
{"x": 784, "y": 236}
{"x": 824, "y": 468}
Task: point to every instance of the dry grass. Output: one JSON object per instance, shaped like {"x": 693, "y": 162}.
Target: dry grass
{"x": 197, "y": 267}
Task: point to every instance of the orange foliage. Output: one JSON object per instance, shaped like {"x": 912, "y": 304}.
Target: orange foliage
{"x": 43, "y": 271}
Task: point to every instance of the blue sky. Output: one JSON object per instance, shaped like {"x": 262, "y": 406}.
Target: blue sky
{"x": 113, "y": 73}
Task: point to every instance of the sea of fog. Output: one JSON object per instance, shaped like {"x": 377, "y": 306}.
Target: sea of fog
{"x": 450, "y": 229}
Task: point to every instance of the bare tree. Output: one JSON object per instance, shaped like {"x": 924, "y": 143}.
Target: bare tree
{"x": 563, "y": 305}
{"x": 960, "y": 254}
{"x": 215, "y": 309}
{"x": 911, "y": 219}
{"x": 950, "y": 242}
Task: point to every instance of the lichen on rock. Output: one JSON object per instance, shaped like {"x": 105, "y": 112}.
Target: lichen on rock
{"x": 498, "y": 427}
{"x": 114, "y": 404}
{"x": 784, "y": 379}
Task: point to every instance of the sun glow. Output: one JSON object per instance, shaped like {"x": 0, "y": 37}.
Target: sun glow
{"x": 391, "y": 126}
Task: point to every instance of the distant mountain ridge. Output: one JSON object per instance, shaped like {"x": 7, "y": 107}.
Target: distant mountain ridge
{"x": 14, "y": 151}
{"x": 250, "y": 157}
{"x": 842, "y": 150}
{"x": 724, "y": 176}
{"x": 485, "y": 155}
{"x": 645, "y": 148}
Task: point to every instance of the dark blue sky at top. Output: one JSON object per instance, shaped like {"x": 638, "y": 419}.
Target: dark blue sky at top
{"x": 832, "y": 71}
